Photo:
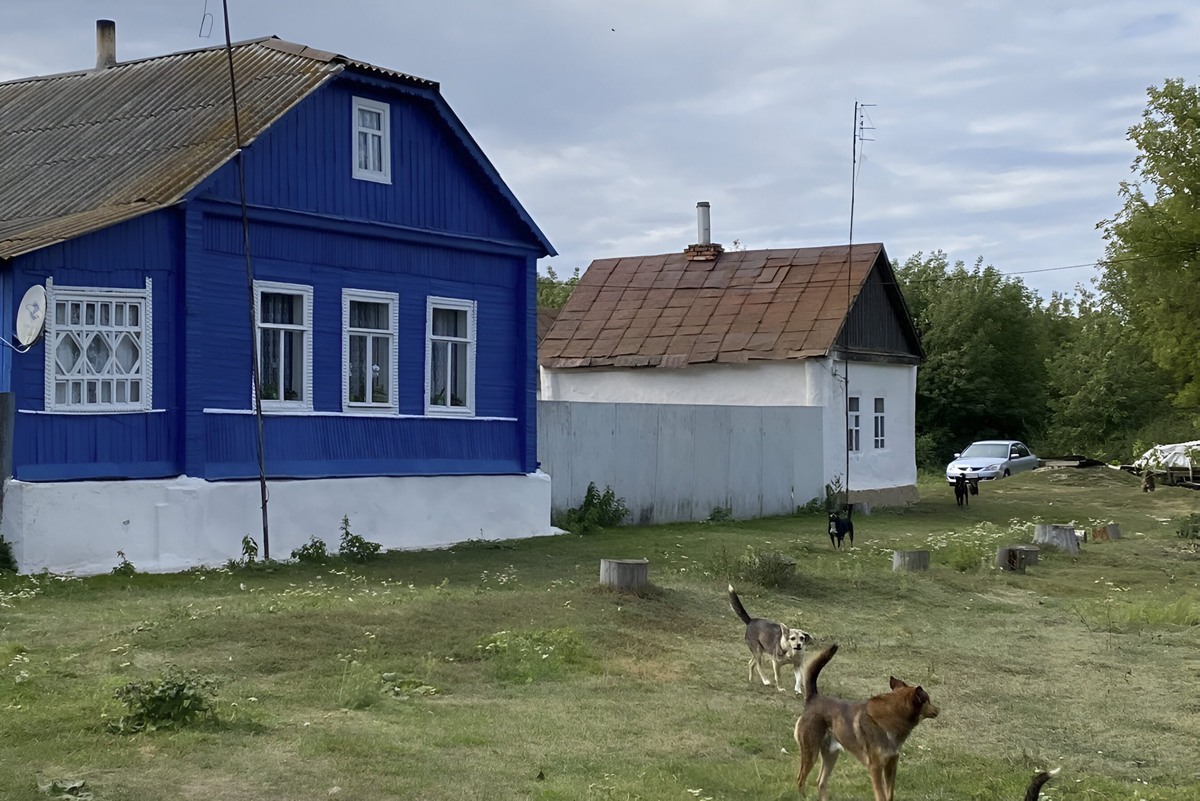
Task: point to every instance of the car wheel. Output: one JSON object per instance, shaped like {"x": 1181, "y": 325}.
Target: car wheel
{"x": 1007, "y": 473}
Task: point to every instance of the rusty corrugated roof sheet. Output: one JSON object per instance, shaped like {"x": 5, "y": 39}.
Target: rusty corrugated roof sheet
{"x": 82, "y": 150}
{"x": 669, "y": 311}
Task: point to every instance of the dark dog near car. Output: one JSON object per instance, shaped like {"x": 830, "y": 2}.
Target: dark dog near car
{"x": 841, "y": 527}
{"x": 962, "y": 490}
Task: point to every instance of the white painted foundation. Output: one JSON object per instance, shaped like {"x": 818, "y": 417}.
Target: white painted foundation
{"x": 173, "y": 524}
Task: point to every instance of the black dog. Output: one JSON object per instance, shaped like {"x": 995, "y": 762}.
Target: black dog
{"x": 1034, "y": 791}
{"x": 841, "y": 527}
{"x": 962, "y": 490}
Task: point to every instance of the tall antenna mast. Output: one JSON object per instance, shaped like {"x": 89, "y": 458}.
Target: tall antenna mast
{"x": 857, "y": 135}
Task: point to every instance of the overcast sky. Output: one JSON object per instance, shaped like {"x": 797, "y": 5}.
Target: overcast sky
{"x": 998, "y": 127}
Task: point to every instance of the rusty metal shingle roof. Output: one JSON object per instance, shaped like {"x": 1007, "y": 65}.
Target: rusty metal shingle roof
{"x": 669, "y": 311}
{"x": 82, "y": 150}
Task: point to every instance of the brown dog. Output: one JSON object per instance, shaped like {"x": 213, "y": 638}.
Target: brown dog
{"x": 873, "y": 730}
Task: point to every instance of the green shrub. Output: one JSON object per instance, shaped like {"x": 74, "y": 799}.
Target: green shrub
{"x": 720, "y": 514}
{"x": 8, "y": 562}
{"x": 124, "y": 566}
{"x": 355, "y": 548}
{"x": 177, "y": 698}
{"x": 598, "y": 510}
{"x": 312, "y": 552}
{"x": 249, "y": 550}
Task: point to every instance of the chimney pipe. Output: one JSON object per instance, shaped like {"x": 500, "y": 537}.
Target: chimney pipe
{"x": 106, "y": 44}
{"x": 703, "y": 223}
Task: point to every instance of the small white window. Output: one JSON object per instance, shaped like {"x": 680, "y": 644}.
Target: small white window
{"x": 879, "y": 420}
{"x": 450, "y": 356}
{"x": 283, "y": 318}
{"x": 99, "y": 351}
{"x": 853, "y": 425}
{"x": 372, "y": 141}
{"x": 369, "y": 326}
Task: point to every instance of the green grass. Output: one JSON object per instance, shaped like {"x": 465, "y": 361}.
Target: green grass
{"x": 467, "y": 673}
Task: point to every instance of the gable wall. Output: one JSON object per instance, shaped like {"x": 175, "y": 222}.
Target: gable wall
{"x": 304, "y": 163}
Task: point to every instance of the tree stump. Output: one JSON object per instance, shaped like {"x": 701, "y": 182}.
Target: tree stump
{"x": 1030, "y": 555}
{"x": 1015, "y": 558}
{"x": 910, "y": 560}
{"x": 625, "y": 575}
{"x": 1056, "y": 535}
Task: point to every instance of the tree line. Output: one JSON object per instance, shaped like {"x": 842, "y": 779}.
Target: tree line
{"x": 1105, "y": 372}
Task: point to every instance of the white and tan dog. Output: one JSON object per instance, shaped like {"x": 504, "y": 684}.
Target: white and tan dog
{"x": 774, "y": 641}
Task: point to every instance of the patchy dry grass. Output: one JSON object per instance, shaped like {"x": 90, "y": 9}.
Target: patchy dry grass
{"x": 470, "y": 673}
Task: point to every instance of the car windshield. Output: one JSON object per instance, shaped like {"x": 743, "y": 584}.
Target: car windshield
{"x": 986, "y": 450}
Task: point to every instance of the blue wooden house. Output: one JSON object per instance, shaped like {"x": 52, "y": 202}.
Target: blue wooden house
{"x": 388, "y": 291}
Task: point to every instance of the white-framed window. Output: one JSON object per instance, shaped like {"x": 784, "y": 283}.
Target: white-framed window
{"x": 372, "y": 141}
{"x": 99, "y": 349}
{"x": 283, "y": 322}
{"x": 450, "y": 356}
{"x": 370, "y": 322}
{"x": 853, "y": 425}
{"x": 879, "y": 423}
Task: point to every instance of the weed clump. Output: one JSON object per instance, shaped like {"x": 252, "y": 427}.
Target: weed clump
{"x": 764, "y": 568}
{"x": 598, "y": 510}
{"x": 177, "y": 698}
{"x": 354, "y": 547}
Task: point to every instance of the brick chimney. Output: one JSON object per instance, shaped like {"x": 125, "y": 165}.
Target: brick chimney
{"x": 106, "y": 44}
{"x": 705, "y": 249}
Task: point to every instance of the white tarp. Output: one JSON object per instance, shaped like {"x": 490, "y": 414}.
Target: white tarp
{"x": 1171, "y": 457}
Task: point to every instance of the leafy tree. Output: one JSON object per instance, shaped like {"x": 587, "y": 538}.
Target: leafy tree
{"x": 1152, "y": 265}
{"x": 1105, "y": 395}
{"x": 552, "y": 292}
{"x": 984, "y": 340}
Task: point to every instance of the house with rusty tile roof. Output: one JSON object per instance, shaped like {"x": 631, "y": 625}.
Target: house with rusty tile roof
{"x": 819, "y": 327}
{"x": 353, "y": 265}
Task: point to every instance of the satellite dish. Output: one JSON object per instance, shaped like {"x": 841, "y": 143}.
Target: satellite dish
{"x": 31, "y": 315}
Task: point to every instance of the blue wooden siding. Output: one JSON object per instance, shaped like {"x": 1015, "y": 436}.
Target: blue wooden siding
{"x": 304, "y": 161}
{"x": 132, "y": 445}
{"x": 441, "y": 228}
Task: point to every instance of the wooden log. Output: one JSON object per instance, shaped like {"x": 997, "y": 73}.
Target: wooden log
{"x": 625, "y": 575}
{"x": 1057, "y": 536}
{"x": 910, "y": 560}
{"x": 1015, "y": 558}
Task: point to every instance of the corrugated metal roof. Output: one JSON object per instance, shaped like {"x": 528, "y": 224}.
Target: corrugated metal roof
{"x": 82, "y": 150}
{"x": 671, "y": 310}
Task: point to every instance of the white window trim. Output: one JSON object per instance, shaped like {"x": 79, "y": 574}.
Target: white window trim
{"x": 306, "y": 403}
{"x": 55, "y": 294}
{"x": 879, "y": 423}
{"x": 384, "y": 176}
{"x": 854, "y": 426}
{"x": 392, "y": 300}
{"x": 471, "y": 308}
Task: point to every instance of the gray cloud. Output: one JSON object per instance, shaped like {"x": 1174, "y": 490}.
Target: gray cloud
{"x": 999, "y": 128}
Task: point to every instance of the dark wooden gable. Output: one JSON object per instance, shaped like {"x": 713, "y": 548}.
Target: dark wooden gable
{"x": 879, "y": 326}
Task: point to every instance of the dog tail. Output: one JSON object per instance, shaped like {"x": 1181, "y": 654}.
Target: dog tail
{"x": 736, "y": 603}
{"x": 1035, "y": 786}
{"x": 812, "y": 668}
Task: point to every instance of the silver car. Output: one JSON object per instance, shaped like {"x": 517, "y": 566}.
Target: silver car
{"x": 991, "y": 458}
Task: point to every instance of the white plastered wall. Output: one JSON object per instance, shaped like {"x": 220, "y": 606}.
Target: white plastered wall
{"x": 871, "y": 468}
{"x": 809, "y": 382}
{"x": 174, "y": 524}
{"x": 765, "y": 383}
